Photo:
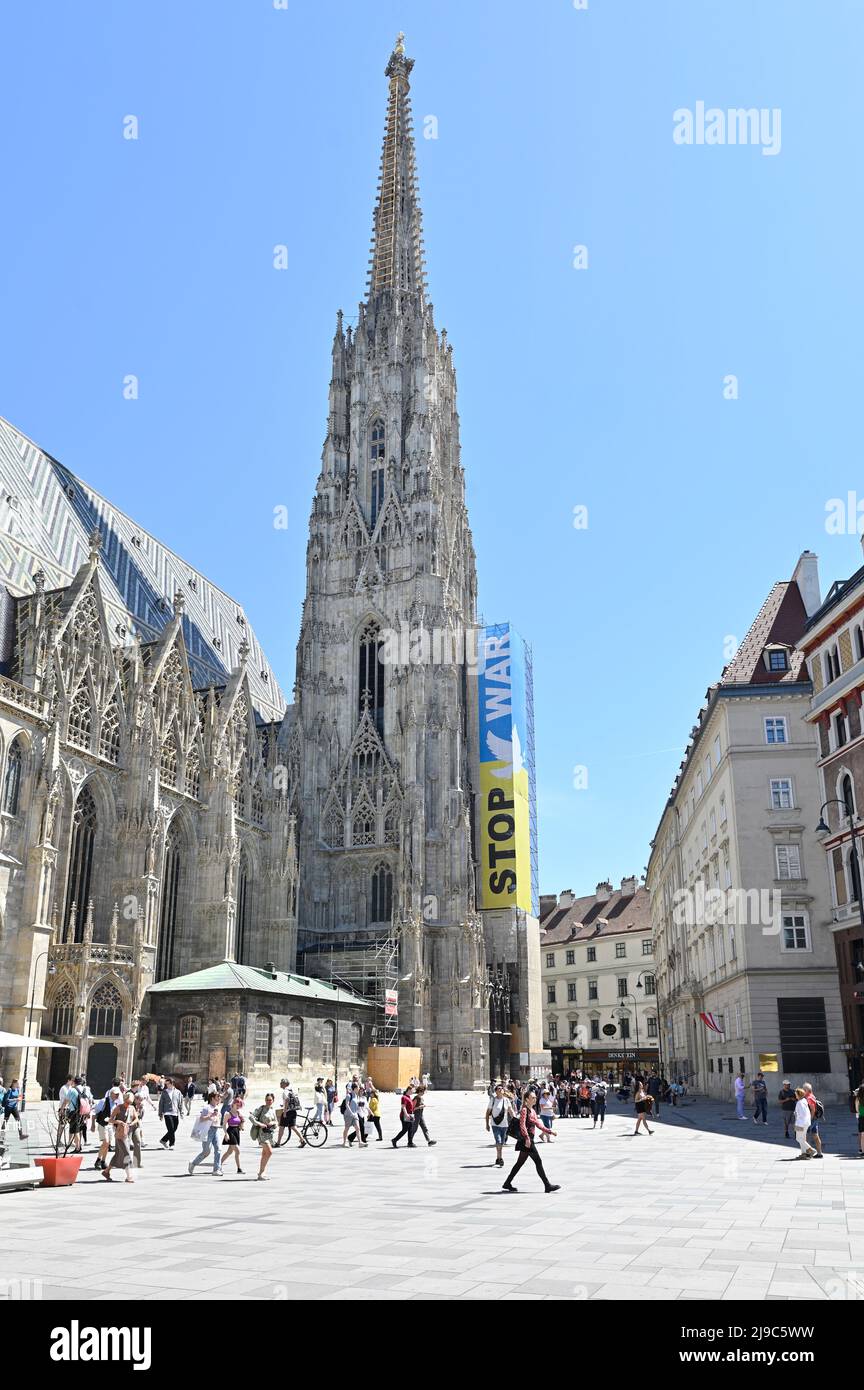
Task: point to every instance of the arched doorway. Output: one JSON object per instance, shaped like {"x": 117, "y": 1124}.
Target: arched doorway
{"x": 101, "y": 1067}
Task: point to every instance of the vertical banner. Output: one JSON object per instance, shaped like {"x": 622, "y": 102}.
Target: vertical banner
{"x": 506, "y": 786}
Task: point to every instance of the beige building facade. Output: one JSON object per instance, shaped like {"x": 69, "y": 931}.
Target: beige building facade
{"x": 600, "y": 1009}
{"x": 739, "y": 895}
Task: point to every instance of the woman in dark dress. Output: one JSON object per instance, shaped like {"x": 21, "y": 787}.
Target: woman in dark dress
{"x": 643, "y": 1108}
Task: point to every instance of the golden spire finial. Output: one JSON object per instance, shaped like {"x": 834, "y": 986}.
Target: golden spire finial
{"x": 400, "y": 43}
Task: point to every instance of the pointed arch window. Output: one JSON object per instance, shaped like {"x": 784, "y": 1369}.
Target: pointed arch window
{"x": 257, "y": 806}
{"x": 334, "y": 829}
{"x": 391, "y": 828}
{"x": 106, "y": 1012}
{"x": 328, "y": 1043}
{"x": 63, "y": 1012}
{"x": 381, "y": 898}
{"x": 12, "y": 780}
{"x": 193, "y": 774}
{"x": 370, "y": 685}
{"x": 172, "y": 883}
{"x": 109, "y": 734}
{"x": 848, "y": 796}
{"x": 355, "y": 1034}
{"x": 80, "y": 719}
{"x": 363, "y": 824}
{"x": 84, "y": 826}
{"x": 377, "y": 449}
{"x": 243, "y": 911}
{"x": 854, "y": 875}
{"x": 168, "y": 760}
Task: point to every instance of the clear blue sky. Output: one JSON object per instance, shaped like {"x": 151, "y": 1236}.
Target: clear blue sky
{"x": 600, "y": 387}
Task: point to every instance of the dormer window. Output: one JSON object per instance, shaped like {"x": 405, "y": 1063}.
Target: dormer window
{"x": 778, "y": 659}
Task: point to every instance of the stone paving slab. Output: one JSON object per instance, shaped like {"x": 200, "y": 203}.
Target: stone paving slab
{"x": 703, "y": 1209}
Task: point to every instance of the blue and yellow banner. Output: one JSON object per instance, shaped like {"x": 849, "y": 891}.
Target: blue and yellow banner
{"x": 505, "y": 785}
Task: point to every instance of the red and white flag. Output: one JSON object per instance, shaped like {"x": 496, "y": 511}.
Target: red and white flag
{"x": 710, "y": 1022}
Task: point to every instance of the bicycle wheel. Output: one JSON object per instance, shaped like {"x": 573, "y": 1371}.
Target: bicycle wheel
{"x": 315, "y": 1133}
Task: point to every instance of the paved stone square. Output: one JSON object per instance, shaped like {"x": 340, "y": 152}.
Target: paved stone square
{"x": 706, "y": 1208}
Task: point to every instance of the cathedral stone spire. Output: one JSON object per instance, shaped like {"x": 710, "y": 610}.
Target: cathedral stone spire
{"x": 397, "y": 240}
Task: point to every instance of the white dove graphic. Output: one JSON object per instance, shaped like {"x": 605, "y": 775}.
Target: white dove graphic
{"x": 505, "y": 750}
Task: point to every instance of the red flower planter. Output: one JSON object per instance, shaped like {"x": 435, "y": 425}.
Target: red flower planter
{"x": 59, "y": 1172}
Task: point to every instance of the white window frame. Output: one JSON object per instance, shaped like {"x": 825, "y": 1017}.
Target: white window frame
{"x": 775, "y": 785}
{"x": 777, "y": 722}
{"x": 790, "y": 922}
{"x": 788, "y": 857}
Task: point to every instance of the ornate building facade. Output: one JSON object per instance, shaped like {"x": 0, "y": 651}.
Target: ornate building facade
{"x": 164, "y": 811}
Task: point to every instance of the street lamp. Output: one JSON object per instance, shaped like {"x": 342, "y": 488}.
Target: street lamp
{"x": 52, "y": 970}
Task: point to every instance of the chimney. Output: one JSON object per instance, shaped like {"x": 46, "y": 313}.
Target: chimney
{"x": 806, "y": 576}
{"x": 566, "y": 898}
{"x": 603, "y": 891}
{"x": 628, "y": 887}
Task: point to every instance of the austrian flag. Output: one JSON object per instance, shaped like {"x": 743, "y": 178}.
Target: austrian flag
{"x": 710, "y": 1022}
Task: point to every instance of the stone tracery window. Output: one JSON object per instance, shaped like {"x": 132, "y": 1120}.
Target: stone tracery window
{"x": 80, "y": 719}
{"x": 381, "y": 902}
{"x": 334, "y": 828}
{"x": 109, "y": 734}
{"x": 84, "y": 825}
{"x": 169, "y": 915}
{"x": 12, "y": 780}
{"x": 193, "y": 774}
{"x": 190, "y": 1038}
{"x": 63, "y": 1012}
{"x": 168, "y": 759}
{"x": 371, "y": 671}
{"x": 106, "y": 1012}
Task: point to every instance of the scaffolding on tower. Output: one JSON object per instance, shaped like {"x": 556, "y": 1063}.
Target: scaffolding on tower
{"x": 369, "y": 969}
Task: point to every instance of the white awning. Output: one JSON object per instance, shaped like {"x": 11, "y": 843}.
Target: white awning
{"x": 19, "y": 1040}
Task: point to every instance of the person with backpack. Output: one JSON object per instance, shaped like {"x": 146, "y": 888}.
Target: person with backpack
{"x": 207, "y": 1130}
{"x": 759, "y": 1088}
{"x": 524, "y": 1131}
{"x": 499, "y": 1113}
{"x": 817, "y": 1111}
{"x": 263, "y": 1125}
{"x": 11, "y": 1101}
{"x": 288, "y": 1114}
{"x": 406, "y": 1117}
{"x": 598, "y": 1103}
{"x": 71, "y": 1114}
{"x": 351, "y": 1116}
{"x": 104, "y": 1109}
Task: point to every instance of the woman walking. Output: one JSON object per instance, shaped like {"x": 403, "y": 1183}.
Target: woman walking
{"x": 526, "y": 1146}
{"x": 330, "y": 1092}
{"x": 320, "y": 1097}
{"x": 124, "y": 1118}
{"x": 375, "y": 1115}
{"x": 265, "y": 1123}
{"x": 351, "y": 1116}
{"x": 802, "y": 1123}
{"x": 234, "y": 1122}
{"x": 643, "y": 1108}
{"x": 547, "y": 1112}
{"x": 420, "y": 1116}
{"x": 206, "y": 1131}
{"x": 499, "y": 1113}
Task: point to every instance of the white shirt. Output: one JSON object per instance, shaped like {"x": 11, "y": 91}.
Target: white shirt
{"x": 802, "y": 1114}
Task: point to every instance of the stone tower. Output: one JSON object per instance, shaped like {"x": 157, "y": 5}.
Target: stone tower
{"x": 381, "y": 689}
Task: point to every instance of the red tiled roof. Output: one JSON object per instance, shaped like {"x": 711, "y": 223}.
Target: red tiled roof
{"x": 590, "y": 917}
{"x": 780, "y": 622}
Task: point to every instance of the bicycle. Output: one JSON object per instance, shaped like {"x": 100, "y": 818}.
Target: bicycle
{"x": 314, "y": 1131}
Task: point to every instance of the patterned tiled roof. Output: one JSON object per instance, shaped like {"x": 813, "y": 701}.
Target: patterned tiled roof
{"x": 590, "y": 917}
{"x": 779, "y": 622}
{"x": 47, "y": 515}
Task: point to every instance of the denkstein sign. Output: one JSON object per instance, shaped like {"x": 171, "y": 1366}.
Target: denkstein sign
{"x": 505, "y": 789}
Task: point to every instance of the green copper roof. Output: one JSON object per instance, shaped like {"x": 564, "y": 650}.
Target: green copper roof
{"x": 228, "y": 975}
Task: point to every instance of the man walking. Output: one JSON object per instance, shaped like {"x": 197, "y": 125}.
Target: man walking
{"x": 169, "y": 1111}
{"x": 786, "y": 1097}
{"x": 655, "y": 1091}
{"x": 760, "y": 1098}
{"x": 740, "y": 1090}
{"x": 598, "y": 1102}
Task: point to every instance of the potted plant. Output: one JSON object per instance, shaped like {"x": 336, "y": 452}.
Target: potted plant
{"x": 59, "y": 1168}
